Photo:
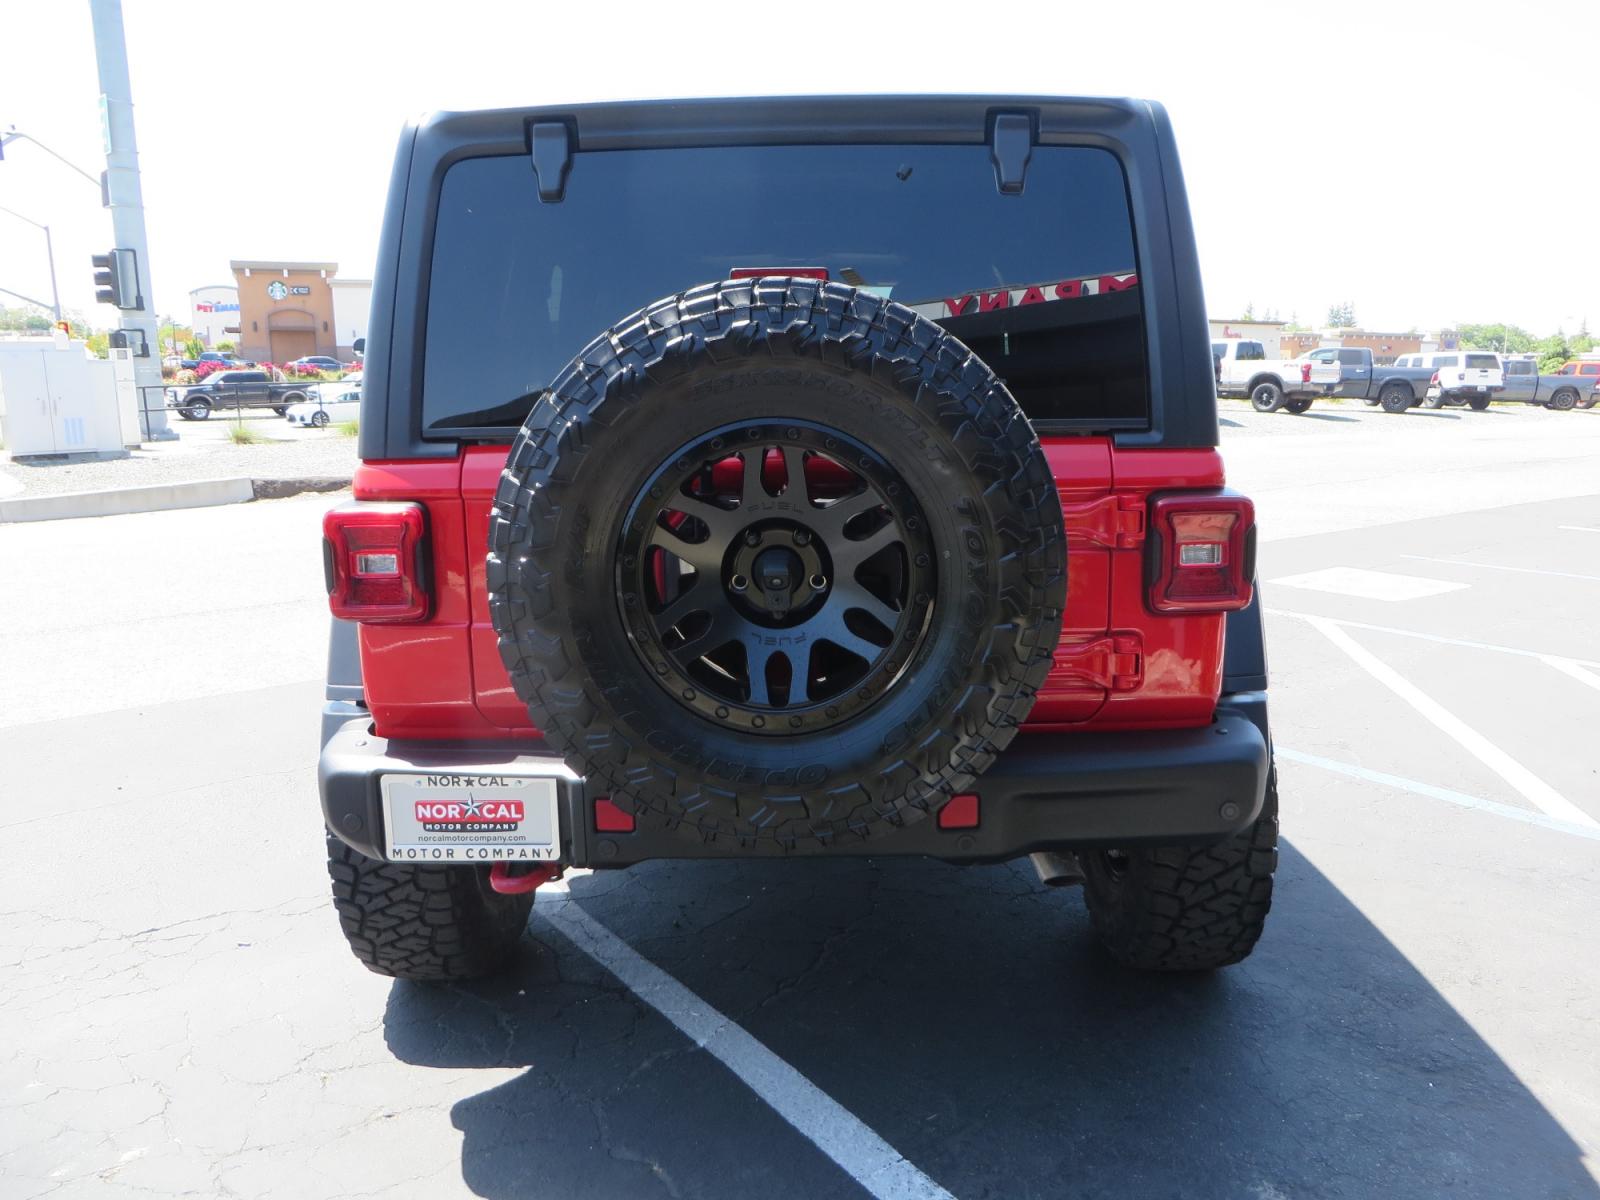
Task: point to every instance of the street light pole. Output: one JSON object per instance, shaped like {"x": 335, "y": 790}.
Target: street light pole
{"x": 13, "y": 136}
{"x": 126, "y": 202}
{"x": 50, "y": 254}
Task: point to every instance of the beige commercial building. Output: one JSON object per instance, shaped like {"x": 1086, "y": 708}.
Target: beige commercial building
{"x": 285, "y": 310}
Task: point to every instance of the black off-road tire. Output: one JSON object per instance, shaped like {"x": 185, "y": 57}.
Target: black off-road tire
{"x": 1266, "y": 397}
{"x": 423, "y": 922}
{"x": 1298, "y": 404}
{"x": 778, "y": 352}
{"x": 1185, "y": 908}
{"x": 1478, "y": 403}
{"x": 1397, "y": 397}
{"x": 1565, "y": 400}
{"x": 1587, "y": 401}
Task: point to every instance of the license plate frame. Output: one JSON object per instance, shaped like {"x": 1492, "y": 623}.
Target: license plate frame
{"x": 470, "y": 817}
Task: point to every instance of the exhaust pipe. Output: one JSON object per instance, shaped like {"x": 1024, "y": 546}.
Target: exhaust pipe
{"x": 1056, "y": 870}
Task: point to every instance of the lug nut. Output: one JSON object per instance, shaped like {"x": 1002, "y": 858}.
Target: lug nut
{"x": 738, "y": 583}
{"x": 752, "y": 538}
{"x": 802, "y": 537}
{"x": 818, "y": 582}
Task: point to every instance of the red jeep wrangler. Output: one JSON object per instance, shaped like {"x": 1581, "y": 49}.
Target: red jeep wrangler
{"x": 792, "y": 477}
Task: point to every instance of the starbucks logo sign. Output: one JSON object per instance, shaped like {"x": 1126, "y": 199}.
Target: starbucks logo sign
{"x": 277, "y": 290}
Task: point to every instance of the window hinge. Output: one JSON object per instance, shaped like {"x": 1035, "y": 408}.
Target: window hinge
{"x": 550, "y": 147}
{"x": 1011, "y": 149}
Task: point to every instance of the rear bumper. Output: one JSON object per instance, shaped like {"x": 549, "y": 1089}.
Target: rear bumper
{"x": 1047, "y": 791}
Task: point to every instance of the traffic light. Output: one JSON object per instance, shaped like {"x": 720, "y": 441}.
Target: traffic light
{"x": 116, "y": 279}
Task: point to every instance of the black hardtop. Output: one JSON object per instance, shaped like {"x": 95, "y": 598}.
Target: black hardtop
{"x": 1182, "y": 400}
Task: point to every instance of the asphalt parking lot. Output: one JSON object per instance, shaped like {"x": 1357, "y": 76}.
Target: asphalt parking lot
{"x": 181, "y": 1015}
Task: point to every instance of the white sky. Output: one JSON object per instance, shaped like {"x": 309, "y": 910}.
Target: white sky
{"x": 1319, "y": 143}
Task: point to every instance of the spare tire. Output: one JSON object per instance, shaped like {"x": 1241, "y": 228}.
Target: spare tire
{"x": 777, "y": 561}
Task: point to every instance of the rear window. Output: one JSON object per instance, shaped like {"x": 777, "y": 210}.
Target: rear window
{"x": 1250, "y": 352}
{"x": 1589, "y": 369}
{"x": 1446, "y": 360}
{"x": 1487, "y": 362}
{"x": 1352, "y": 358}
{"x": 1043, "y": 286}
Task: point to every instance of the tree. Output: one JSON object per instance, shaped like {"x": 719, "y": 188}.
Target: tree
{"x": 1552, "y": 351}
{"x": 1507, "y": 339}
{"x": 1249, "y": 310}
{"x": 194, "y": 348}
{"x": 226, "y": 347}
{"x": 28, "y": 319}
{"x": 1342, "y": 316}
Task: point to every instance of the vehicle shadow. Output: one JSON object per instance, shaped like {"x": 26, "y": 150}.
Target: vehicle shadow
{"x": 1324, "y": 416}
{"x": 965, "y": 1015}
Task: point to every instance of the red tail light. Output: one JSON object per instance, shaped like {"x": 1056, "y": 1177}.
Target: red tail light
{"x": 1203, "y": 549}
{"x": 1434, "y": 380}
{"x": 375, "y": 563}
{"x": 1305, "y": 372}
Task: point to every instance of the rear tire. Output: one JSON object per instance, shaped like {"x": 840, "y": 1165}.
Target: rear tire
{"x": 1266, "y": 397}
{"x": 423, "y": 922}
{"x": 1299, "y": 404}
{"x": 1587, "y": 401}
{"x": 1566, "y": 400}
{"x": 1185, "y": 908}
{"x": 1397, "y": 397}
{"x": 1478, "y": 403}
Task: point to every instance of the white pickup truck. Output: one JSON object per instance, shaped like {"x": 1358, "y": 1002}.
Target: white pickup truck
{"x": 1243, "y": 369}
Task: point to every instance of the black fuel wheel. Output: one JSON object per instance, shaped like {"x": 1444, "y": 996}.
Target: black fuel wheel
{"x": 780, "y": 587}
{"x": 777, "y": 561}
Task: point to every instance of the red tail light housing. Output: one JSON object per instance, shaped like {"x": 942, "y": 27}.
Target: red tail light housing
{"x": 1305, "y": 372}
{"x": 1433, "y": 380}
{"x": 374, "y": 559}
{"x": 1202, "y": 552}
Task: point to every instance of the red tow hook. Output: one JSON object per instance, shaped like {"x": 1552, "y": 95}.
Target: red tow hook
{"x": 503, "y": 881}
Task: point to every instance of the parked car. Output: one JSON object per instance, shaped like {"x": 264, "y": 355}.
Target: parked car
{"x": 1242, "y": 368}
{"x": 1525, "y": 384}
{"x": 1470, "y": 377}
{"x": 234, "y": 390}
{"x": 328, "y": 406}
{"x": 1584, "y": 369}
{"x": 776, "y": 566}
{"x": 320, "y": 362}
{"x": 1395, "y": 387}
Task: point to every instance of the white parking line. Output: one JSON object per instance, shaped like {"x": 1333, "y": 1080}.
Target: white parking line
{"x": 1463, "y": 562}
{"x": 1580, "y": 528}
{"x": 1567, "y": 667}
{"x": 1399, "y": 783}
{"x": 1535, "y": 790}
{"x": 1440, "y": 638}
{"x": 877, "y": 1166}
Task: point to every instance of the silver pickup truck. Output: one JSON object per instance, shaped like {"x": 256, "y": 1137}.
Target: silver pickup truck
{"x": 1397, "y": 387}
{"x": 1524, "y": 384}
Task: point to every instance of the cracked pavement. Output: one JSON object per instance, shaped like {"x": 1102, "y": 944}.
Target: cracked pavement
{"x": 181, "y": 1017}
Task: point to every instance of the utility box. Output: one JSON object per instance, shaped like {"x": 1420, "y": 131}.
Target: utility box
{"x": 57, "y": 399}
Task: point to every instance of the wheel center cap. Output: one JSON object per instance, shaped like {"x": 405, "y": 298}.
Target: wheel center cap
{"x": 777, "y": 571}
{"x": 776, "y": 574}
